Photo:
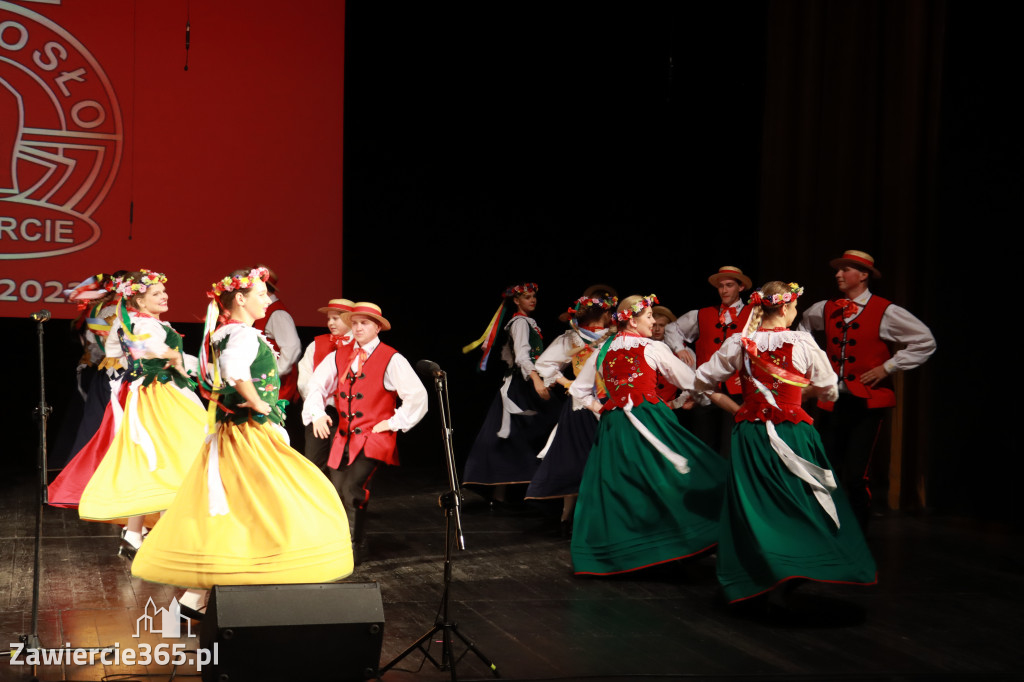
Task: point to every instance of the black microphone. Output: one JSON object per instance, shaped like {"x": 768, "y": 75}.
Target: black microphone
{"x": 41, "y": 315}
{"x": 429, "y": 367}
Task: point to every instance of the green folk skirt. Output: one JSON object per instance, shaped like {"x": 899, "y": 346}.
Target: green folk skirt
{"x": 635, "y": 509}
{"x": 773, "y": 529}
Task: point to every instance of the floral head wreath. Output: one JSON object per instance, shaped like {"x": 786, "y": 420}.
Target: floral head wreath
{"x": 635, "y": 309}
{"x": 586, "y": 303}
{"x": 238, "y": 282}
{"x": 128, "y": 287}
{"x": 524, "y": 288}
{"x": 795, "y": 292}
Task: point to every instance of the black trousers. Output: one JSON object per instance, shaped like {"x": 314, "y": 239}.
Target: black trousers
{"x": 352, "y": 482}
{"x": 850, "y": 434}
{"x": 318, "y": 450}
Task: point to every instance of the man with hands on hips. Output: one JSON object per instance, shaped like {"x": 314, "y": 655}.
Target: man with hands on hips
{"x": 859, "y": 328}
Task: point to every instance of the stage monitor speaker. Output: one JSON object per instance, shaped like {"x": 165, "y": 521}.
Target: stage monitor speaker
{"x": 313, "y": 633}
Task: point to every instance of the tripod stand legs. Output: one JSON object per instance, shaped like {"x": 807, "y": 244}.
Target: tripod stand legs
{"x": 450, "y": 501}
{"x": 447, "y": 662}
{"x": 442, "y": 624}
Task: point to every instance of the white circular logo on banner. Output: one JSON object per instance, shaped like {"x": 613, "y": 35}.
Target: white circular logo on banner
{"x": 60, "y": 138}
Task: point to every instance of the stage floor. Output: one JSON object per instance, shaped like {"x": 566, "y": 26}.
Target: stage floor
{"x": 947, "y": 605}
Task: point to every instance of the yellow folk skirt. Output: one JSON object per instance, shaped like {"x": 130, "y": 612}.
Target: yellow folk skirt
{"x": 282, "y": 522}
{"x": 135, "y": 479}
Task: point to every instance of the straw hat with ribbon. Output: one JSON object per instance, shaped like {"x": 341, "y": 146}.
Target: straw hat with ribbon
{"x": 341, "y": 305}
{"x": 662, "y": 310}
{"x": 368, "y": 309}
{"x": 858, "y": 259}
{"x": 730, "y": 272}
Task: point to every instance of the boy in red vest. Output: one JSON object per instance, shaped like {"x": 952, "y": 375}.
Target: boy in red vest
{"x": 707, "y": 329}
{"x": 858, "y": 330}
{"x": 317, "y": 449}
{"x": 364, "y": 379}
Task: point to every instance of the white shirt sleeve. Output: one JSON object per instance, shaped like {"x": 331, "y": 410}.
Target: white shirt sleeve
{"x": 900, "y": 326}
{"x": 519, "y": 331}
{"x": 808, "y": 360}
{"x": 660, "y": 356}
{"x": 811, "y": 361}
{"x": 555, "y": 358}
{"x": 155, "y": 333}
{"x": 281, "y": 328}
{"x": 726, "y": 361}
{"x": 681, "y": 332}
{"x": 112, "y": 344}
{"x": 813, "y": 319}
{"x": 582, "y": 389}
{"x": 401, "y": 378}
{"x": 305, "y": 369}
{"x": 238, "y": 355}
{"x": 92, "y": 348}
{"x": 320, "y": 387}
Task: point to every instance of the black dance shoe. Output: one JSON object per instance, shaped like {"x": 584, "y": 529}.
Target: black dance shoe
{"x": 127, "y": 550}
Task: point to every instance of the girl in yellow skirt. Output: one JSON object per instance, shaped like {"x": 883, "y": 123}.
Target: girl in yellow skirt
{"x": 252, "y": 510}
{"x": 163, "y": 424}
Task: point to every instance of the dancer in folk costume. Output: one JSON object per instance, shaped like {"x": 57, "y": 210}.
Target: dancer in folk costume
{"x": 251, "y": 510}
{"x": 317, "y": 450}
{"x": 651, "y": 491}
{"x": 662, "y": 318}
{"x": 96, "y": 300}
{"x": 706, "y": 329}
{"x": 860, "y": 330}
{"x": 522, "y": 414}
{"x": 99, "y": 419}
{"x": 783, "y": 517}
{"x": 278, "y": 327}
{"x": 163, "y": 424}
{"x": 568, "y": 446}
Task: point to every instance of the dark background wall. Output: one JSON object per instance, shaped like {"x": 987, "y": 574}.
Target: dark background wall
{"x": 644, "y": 148}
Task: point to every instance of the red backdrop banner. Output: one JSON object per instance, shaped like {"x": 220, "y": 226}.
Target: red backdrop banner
{"x": 115, "y": 156}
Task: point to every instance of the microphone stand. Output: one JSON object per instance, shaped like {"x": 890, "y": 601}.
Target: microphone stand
{"x": 42, "y": 414}
{"x": 451, "y": 502}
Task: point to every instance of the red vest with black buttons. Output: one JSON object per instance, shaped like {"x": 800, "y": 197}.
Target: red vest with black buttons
{"x": 854, "y": 346}
{"x": 362, "y": 402}
{"x": 711, "y": 334}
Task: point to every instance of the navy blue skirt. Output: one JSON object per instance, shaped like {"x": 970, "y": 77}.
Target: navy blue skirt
{"x": 493, "y": 460}
{"x": 561, "y": 469}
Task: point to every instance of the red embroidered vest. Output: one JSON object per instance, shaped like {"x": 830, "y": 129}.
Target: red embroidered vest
{"x": 756, "y": 407}
{"x": 711, "y": 334}
{"x": 627, "y": 375}
{"x": 290, "y": 381}
{"x": 362, "y": 402}
{"x": 854, "y": 346}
